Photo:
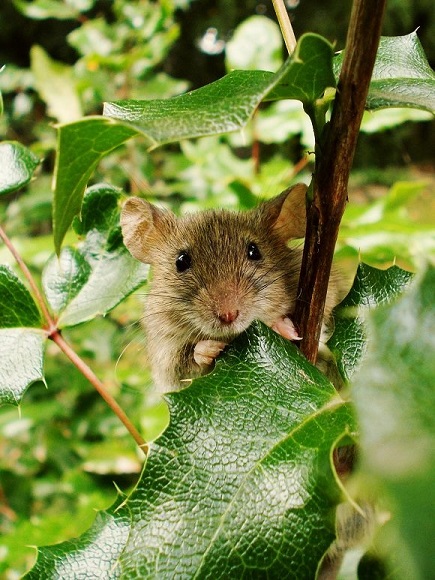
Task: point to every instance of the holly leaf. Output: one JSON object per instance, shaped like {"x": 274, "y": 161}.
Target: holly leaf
{"x": 92, "y": 279}
{"x": 240, "y": 483}
{"x": 371, "y": 287}
{"x": 21, "y": 338}
{"x": 402, "y": 76}
{"x": 80, "y": 146}
{"x": 395, "y": 398}
{"x": 222, "y": 106}
{"x": 18, "y": 165}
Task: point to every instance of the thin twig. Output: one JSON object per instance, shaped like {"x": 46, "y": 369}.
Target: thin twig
{"x": 285, "y": 25}
{"x": 98, "y": 385}
{"x": 334, "y": 156}
{"x": 53, "y": 334}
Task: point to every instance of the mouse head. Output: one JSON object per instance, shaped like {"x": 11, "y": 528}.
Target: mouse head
{"x": 220, "y": 269}
{"x": 146, "y": 228}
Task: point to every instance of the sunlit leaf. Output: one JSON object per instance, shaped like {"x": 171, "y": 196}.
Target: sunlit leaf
{"x": 401, "y": 77}
{"x": 92, "y": 279}
{"x": 17, "y": 166}
{"x": 56, "y": 85}
{"x": 241, "y": 479}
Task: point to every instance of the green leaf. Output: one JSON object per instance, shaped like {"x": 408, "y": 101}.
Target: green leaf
{"x": 225, "y": 105}
{"x": 99, "y": 547}
{"x": 17, "y": 166}
{"x": 64, "y": 277}
{"x": 21, "y": 361}
{"x": 228, "y": 104}
{"x": 307, "y": 73}
{"x": 56, "y": 85}
{"x": 80, "y": 147}
{"x": 255, "y": 45}
{"x": 395, "y": 399}
{"x": 21, "y": 346}
{"x": 240, "y": 484}
{"x": 89, "y": 281}
{"x": 371, "y": 287}
{"x": 17, "y": 307}
{"x": 222, "y": 106}
{"x": 41, "y": 9}
{"x": 401, "y": 77}
{"x": 388, "y": 229}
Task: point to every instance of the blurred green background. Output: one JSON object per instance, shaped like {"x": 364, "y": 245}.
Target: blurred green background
{"x": 63, "y": 453}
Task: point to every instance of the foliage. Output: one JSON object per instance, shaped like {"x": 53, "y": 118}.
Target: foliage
{"x": 247, "y": 456}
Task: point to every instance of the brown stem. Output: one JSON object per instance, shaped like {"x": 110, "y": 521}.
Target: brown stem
{"x": 334, "y": 160}
{"x": 54, "y": 334}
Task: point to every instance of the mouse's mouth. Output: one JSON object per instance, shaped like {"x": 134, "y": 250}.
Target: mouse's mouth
{"x": 228, "y": 325}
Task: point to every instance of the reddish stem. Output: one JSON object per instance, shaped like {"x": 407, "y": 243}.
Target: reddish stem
{"x": 334, "y": 156}
{"x": 53, "y": 333}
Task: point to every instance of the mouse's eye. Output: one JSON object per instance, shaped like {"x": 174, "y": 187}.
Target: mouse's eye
{"x": 183, "y": 262}
{"x": 253, "y": 252}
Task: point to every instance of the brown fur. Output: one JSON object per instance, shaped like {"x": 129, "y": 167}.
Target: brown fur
{"x": 183, "y": 308}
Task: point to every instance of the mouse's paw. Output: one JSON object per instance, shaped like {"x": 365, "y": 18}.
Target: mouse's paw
{"x": 285, "y": 327}
{"x": 206, "y": 351}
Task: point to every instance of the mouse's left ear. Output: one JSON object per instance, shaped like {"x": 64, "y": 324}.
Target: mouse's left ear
{"x": 287, "y": 212}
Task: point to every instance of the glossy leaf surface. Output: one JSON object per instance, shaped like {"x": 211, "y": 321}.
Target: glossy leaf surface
{"x": 92, "y": 279}
{"x": 371, "y": 287}
{"x": 17, "y": 166}
{"x": 401, "y": 77}
{"x": 21, "y": 339}
{"x": 240, "y": 483}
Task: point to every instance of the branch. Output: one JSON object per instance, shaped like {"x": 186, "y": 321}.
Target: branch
{"x": 53, "y": 333}
{"x": 334, "y": 157}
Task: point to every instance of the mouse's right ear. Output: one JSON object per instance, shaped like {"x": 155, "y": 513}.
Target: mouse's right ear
{"x": 287, "y": 212}
{"x": 144, "y": 226}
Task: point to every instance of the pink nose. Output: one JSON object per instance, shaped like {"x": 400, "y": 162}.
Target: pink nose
{"x": 229, "y": 316}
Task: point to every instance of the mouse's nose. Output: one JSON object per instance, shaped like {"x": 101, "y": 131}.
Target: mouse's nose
{"x": 229, "y": 316}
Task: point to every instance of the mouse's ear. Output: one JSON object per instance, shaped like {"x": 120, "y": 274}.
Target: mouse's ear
{"x": 287, "y": 212}
{"x": 143, "y": 226}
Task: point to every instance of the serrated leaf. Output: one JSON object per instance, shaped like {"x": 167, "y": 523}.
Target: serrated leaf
{"x": 401, "y": 77}
{"x": 371, "y": 287}
{"x": 21, "y": 346}
{"x": 222, "y": 106}
{"x": 80, "y": 147}
{"x": 225, "y": 105}
{"x": 394, "y": 396}
{"x": 17, "y": 166}
{"x": 100, "y": 548}
{"x": 21, "y": 361}
{"x": 91, "y": 280}
{"x": 228, "y": 103}
{"x": 100, "y": 210}
{"x": 240, "y": 483}
{"x": 17, "y": 307}
{"x": 307, "y": 73}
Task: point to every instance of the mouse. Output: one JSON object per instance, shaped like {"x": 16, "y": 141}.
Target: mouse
{"x": 213, "y": 273}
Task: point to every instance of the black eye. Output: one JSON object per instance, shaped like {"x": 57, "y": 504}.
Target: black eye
{"x": 183, "y": 262}
{"x": 253, "y": 252}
